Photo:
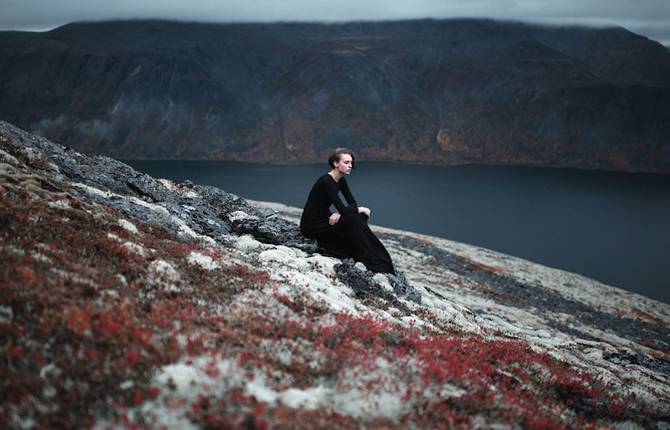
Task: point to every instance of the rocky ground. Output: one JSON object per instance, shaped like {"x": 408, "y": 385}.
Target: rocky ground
{"x": 133, "y": 302}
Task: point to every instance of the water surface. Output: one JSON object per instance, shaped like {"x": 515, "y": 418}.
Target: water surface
{"x": 609, "y": 226}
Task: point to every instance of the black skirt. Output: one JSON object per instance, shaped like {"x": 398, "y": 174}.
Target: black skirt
{"x": 351, "y": 237}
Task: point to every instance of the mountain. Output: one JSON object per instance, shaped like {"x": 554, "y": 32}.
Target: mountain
{"x": 446, "y": 91}
{"x": 130, "y": 301}
{"x": 425, "y": 91}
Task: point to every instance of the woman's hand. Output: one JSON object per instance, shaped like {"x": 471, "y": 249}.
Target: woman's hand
{"x": 364, "y": 210}
{"x": 334, "y": 218}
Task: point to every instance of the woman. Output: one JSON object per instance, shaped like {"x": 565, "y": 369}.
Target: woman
{"x": 345, "y": 233}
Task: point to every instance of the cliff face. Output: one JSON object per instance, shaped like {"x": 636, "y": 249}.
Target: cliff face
{"x": 422, "y": 91}
{"x": 128, "y": 300}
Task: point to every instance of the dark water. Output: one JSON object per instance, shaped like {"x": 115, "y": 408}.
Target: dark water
{"x": 613, "y": 227}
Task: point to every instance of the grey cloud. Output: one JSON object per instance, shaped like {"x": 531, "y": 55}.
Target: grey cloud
{"x": 648, "y": 17}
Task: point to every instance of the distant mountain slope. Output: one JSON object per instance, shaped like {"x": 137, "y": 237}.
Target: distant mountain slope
{"x": 425, "y": 91}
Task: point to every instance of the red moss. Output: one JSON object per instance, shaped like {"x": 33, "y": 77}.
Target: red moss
{"x": 17, "y": 351}
{"x": 98, "y": 340}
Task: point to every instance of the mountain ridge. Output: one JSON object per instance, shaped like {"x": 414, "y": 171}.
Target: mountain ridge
{"x": 440, "y": 91}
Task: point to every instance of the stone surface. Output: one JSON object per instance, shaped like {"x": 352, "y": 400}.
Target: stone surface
{"x": 199, "y": 304}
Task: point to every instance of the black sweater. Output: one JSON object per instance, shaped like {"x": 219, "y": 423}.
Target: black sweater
{"x": 315, "y": 215}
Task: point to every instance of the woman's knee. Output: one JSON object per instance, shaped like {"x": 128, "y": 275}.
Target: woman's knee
{"x": 362, "y": 218}
{"x": 357, "y": 217}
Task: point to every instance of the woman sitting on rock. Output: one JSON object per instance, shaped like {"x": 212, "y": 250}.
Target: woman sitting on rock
{"x": 345, "y": 233}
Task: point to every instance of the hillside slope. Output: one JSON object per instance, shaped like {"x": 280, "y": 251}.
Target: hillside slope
{"x": 133, "y": 301}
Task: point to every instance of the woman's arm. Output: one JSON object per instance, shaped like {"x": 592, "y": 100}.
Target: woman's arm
{"x": 347, "y": 193}
{"x": 350, "y": 199}
{"x": 331, "y": 191}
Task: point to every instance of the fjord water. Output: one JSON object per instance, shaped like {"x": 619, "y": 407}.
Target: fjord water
{"x": 610, "y": 226}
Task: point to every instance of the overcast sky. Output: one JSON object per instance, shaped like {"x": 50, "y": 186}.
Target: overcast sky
{"x": 650, "y": 18}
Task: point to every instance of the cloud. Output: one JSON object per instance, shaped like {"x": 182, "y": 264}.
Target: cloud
{"x": 647, "y": 17}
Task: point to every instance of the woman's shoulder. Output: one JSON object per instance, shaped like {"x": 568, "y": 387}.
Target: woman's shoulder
{"x": 321, "y": 181}
{"x": 325, "y": 178}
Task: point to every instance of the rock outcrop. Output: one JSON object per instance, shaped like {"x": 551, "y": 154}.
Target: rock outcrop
{"x": 134, "y": 301}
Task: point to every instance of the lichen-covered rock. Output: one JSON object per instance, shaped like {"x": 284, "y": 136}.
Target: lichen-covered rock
{"x": 140, "y": 302}
{"x": 364, "y": 284}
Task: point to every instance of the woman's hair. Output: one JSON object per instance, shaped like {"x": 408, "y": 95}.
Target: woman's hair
{"x": 335, "y": 156}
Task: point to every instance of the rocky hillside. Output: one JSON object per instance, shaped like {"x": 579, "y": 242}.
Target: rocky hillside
{"x": 445, "y": 91}
{"x": 133, "y": 302}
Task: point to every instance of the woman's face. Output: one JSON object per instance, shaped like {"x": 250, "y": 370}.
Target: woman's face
{"x": 344, "y": 164}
